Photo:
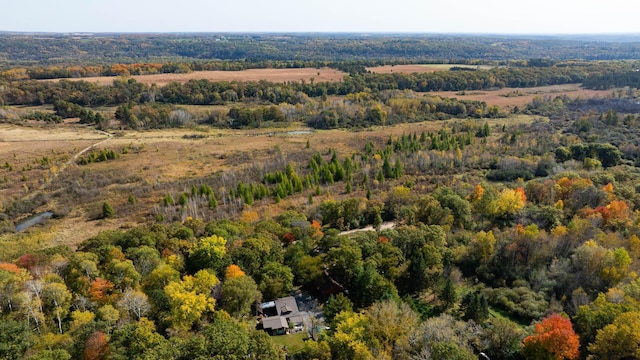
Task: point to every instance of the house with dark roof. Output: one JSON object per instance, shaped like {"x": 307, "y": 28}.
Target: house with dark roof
{"x": 278, "y": 314}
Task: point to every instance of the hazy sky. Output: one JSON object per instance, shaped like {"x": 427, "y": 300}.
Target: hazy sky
{"x": 433, "y": 16}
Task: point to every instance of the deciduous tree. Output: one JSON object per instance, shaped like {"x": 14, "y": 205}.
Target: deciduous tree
{"x": 554, "y": 339}
{"x": 619, "y": 340}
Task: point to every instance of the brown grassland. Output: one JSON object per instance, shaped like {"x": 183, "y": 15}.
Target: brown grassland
{"x": 274, "y": 75}
{"x": 36, "y": 154}
{"x": 509, "y": 97}
{"x": 160, "y": 160}
{"x": 420, "y": 68}
{"x": 42, "y": 160}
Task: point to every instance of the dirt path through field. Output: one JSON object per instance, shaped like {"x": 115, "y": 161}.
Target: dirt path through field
{"x": 75, "y": 157}
{"x": 64, "y": 166}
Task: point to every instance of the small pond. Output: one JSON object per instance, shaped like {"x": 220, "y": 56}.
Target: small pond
{"x": 34, "y": 220}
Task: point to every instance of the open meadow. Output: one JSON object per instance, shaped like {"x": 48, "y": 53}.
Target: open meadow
{"x": 154, "y": 163}
{"x": 422, "y": 68}
{"x": 510, "y": 97}
{"x": 273, "y": 75}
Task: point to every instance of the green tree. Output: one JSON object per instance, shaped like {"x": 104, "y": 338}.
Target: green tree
{"x": 502, "y": 339}
{"x": 276, "y": 280}
{"x": 309, "y": 270}
{"x": 107, "y": 210}
{"x": 335, "y": 305}
{"x": 228, "y": 338}
{"x": 238, "y": 294}
{"x": 139, "y": 340}
{"x": 15, "y": 339}
{"x": 595, "y": 316}
{"x": 475, "y": 307}
{"x": 145, "y": 259}
{"x": 261, "y": 347}
{"x": 123, "y": 274}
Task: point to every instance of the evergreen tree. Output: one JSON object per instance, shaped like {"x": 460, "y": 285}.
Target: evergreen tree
{"x": 107, "y": 210}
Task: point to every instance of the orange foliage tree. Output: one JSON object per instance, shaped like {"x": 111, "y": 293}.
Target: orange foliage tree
{"x": 554, "y": 339}
{"x": 478, "y": 192}
{"x": 100, "y": 291}
{"x": 317, "y": 229}
{"x": 9, "y": 267}
{"x": 233, "y": 271}
{"x": 616, "y": 214}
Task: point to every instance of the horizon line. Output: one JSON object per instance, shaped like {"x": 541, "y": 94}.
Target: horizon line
{"x": 328, "y": 32}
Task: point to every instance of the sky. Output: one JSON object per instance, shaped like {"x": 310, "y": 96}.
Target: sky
{"x": 397, "y": 16}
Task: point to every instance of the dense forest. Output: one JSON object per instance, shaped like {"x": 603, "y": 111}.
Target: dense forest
{"x": 111, "y": 48}
{"x": 507, "y": 232}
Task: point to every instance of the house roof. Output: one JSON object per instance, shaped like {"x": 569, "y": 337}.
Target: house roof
{"x": 298, "y": 319}
{"x": 274, "y": 322}
{"x": 287, "y": 306}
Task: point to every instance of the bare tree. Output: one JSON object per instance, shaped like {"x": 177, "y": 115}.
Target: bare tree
{"x": 135, "y": 303}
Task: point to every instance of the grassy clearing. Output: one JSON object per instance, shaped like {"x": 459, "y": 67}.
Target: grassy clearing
{"x": 498, "y": 313}
{"x": 293, "y": 342}
{"x": 421, "y": 68}
{"x": 504, "y": 97}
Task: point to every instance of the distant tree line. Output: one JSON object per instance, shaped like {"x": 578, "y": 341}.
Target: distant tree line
{"x": 58, "y": 49}
{"x": 204, "y": 92}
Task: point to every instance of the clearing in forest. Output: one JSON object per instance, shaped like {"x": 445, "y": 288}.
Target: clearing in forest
{"x": 421, "y": 68}
{"x": 274, "y": 75}
{"x": 510, "y": 97}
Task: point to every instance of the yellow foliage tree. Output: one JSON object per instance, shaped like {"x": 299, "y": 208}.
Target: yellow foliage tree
{"x": 619, "y": 340}
{"x": 81, "y": 318}
{"x": 349, "y": 340}
{"x": 249, "y": 217}
{"x": 484, "y": 245}
{"x": 190, "y": 298}
{"x": 508, "y": 203}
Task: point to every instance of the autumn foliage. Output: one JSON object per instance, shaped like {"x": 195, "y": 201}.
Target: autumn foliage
{"x": 233, "y": 271}
{"x": 554, "y": 339}
{"x": 617, "y": 212}
{"x": 100, "y": 291}
{"x": 96, "y": 347}
{"x": 9, "y": 267}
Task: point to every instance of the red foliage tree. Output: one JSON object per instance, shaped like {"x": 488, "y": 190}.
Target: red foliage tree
{"x": 288, "y": 238}
{"x": 96, "y": 347}
{"x": 27, "y": 261}
{"x": 554, "y": 339}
